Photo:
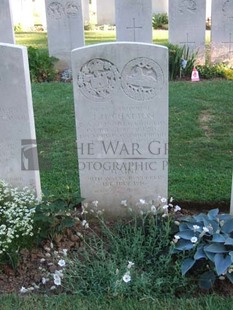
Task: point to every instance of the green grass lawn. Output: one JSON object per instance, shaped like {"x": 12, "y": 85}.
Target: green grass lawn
{"x": 200, "y": 139}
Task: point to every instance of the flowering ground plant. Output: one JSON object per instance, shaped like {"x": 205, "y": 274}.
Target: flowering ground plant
{"x": 207, "y": 240}
{"x": 17, "y": 210}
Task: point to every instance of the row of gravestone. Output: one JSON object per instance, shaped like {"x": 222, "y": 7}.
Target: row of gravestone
{"x": 121, "y": 108}
{"x": 133, "y": 23}
{"x": 187, "y": 24}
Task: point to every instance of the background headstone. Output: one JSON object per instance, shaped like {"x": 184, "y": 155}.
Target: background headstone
{"x": 65, "y": 29}
{"x": 187, "y": 23}
{"x": 222, "y": 31}
{"x": 6, "y": 22}
{"x": 134, "y": 20}
{"x": 18, "y": 156}
{"x": 121, "y": 107}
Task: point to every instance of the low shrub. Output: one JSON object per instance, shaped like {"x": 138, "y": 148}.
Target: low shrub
{"x": 207, "y": 241}
{"x": 181, "y": 62}
{"x": 160, "y": 21}
{"x": 127, "y": 258}
{"x": 211, "y": 71}
{"x": 17, "y": 211}
{"x": 41, "y": 65}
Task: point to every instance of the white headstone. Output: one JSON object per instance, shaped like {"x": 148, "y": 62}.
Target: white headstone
{"x": 105, "y": 11}
{"x": 222, "y": 31}
{"x": 134, "y": 20}
{"x": 187, "y": 23}
{"x": 121, "y": 107}
{"x": 6, "y": 22}
{"x": 65, "y": 28}
{"x": 18, "y": 156}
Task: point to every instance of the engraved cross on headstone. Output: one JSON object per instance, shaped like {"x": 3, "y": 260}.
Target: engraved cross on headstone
{"x": 230, "y": 42}
{"x": 134, "y": 27}
{"x": 187, "y": 42}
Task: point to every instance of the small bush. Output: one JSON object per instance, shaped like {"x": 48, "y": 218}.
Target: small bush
{"x": 160, "y": 21}
{"x": 41, "y": 65}
{"x": 207, "y": 240}
{"x": 17, "y": 210}
{"x": 181, "y": 62}
{"x": 129, "y": 258}
{"x": 211, "y": 71}
{"x": 18, "y": 28}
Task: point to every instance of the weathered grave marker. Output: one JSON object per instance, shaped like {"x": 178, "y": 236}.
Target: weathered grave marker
{"x": 187, "y": 25}
{"x": 6, "y": 22}
{"x": 222, "y": 31}
{"x": 121, "y": 106}
{"x": 65, "y": 29}
{"x": 134, "y": 20}
{"x": 18, "y": 156}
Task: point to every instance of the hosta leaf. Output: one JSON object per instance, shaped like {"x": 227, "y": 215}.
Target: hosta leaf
{"x": 228, "y": 226}
{"x": 218, "y": 238}
{"x": 199, "y": 253}
{"x": 229, "y": 241}
{"x": 186, "y": 234}
{"x": 200, "y": 217}
{"x": 215, "y": 248}
{"x": 210, "y": 256}
{"x": 183, "y": 226}
{"x": 231, "y": 255}
{"x": 207, "y": 280}
{"x": 221, "y": 263}
{"x": 213, "y": 213}
{"x": 183, "y": 245}
{"x": 186, "y": 265}
{"x": 210, "y": 223}
{"x": 230, "y": 277}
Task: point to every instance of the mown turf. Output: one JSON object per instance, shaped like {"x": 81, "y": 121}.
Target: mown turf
{"x": 200, "y": 139}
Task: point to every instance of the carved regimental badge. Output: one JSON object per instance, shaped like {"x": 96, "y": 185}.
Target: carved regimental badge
{"x": 72, "y": 9}
{"x": 187, "y": 6}
{"x": 55, "y": 10}
{"x": 98, "y": 79}
{"x": 142, "y": 78}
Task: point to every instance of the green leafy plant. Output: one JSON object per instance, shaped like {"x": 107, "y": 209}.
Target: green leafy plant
{"x": 181, "y": 61}
{"x": 17, "y": 210}
{"x": 160, "y": 21}
{"x": 130, "y": 257}
{"x": 211, "y": 71}
{"x": 54, "y": 216}
{"x": 41, "y": 65}
{"x": 207, "y": 240}
{"x": 18, "y": 28}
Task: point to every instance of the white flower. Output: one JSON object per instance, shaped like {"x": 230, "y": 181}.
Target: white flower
{"x": 85, "y": 224}
{"x": 177, "y": 208}
{"x": 165, "y": 207}
{"x": 53, "y": 287}
{"x": 193, "y": 239}
{"x": 64, "y": 251}
{"x": 23, "y": 290}
{"x": 126, "y": 278}
{"x": 177, "y": 237}
{"x": 196, "y": 227}
{"x": 124, "y": 203}
{"x": 163, "y": 200}
{"x": 61, "y": 263}
{"x": 171, "y": 199}
{"x": 130, "y": 264}
{"x": 44, "y": 280}
{"x": 95, "y": 203}
{"x": 142, "y": 201}
{"x": 153, "y": 209}
{"x": 57, "y": 279}
{"x": 205, "y": 229}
